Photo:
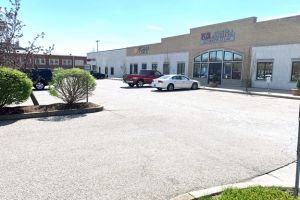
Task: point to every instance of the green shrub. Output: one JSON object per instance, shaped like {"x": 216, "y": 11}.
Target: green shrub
{"x": 71, "y": 86}
{"x": 298, "y": 83}
{"x": 15, "y": 86}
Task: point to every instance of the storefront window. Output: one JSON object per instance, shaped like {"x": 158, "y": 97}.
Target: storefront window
{"x": 204, "y": 70}
{"x": 219, "y": 56}
{"x": 135, "y": 68}
{"x": 204, "y": 57}
{"x": 230, "y": 61}
{"x": 181, "y": 68}
{"x": 237, "y": 57}
{"x": 144, "y": 66}
{"x": 166, "y": 68}
{"x": 154, "y": 66}
{"x": 236, "y": 70}
{"x": 227, "y": 71}
{"x": 197, "y": 59}
{"x": 264, "y": 69}
{"x": 131, "y": 69}
{"x": 112, "y": 71}
{"x": 295, "y": 71}
{"x": 228, "y": 56}
{"x": 212, "y": 56}
{"x": 197, "y": 70}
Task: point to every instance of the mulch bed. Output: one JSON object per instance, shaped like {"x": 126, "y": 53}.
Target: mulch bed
{"x": 45, "y": 108}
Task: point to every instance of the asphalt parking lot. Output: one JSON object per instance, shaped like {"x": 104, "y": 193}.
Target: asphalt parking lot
{"x": 146, "y": 144}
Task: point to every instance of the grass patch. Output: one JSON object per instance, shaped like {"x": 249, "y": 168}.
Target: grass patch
{"x": 45, "y": 108}
{"x": 253, "y": 193}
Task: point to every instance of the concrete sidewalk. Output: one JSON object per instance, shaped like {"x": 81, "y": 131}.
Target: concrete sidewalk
{"x": 255, "y": 91}
{"x": 282, "y": 177}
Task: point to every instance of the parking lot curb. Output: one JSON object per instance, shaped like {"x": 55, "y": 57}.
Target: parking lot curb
{"x": 50, "y": 114}
{"x": 251, "y": 93}
{"x": 212, "y": 191}
{"x": 241, "y": 185}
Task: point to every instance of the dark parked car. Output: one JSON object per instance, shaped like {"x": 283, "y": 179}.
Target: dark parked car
{"x": 98, "y": 75}
{"x": 40, "y": 77}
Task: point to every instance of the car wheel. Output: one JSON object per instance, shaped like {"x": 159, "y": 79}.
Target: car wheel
{"x": 194, "y": 86}
{"x": 39, "y": 85}
{"x": 131, "y": 84}
{"x": 170, "y": 87}
{"x": 140, "y": 83}
{"x": 159, "y": 89}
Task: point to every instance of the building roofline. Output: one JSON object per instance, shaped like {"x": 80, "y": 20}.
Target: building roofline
{"x": 280, "y": 18}
{"x": 254, "y": 19}
{"x": 108, "y": 50}
{"x": 144, "y": 45}
{"x": 53, "y": 55}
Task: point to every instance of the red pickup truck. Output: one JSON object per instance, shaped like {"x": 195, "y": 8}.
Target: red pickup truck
{"x": 145, "y": 76}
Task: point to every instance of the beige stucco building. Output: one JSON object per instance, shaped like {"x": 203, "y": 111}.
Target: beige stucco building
{"x": 226, "y": 52}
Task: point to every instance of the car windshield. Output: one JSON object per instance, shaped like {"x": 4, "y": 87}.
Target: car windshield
{"x": 164, "y": 77}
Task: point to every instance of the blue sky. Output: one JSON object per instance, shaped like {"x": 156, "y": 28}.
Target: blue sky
{"x": 75, "y": 25}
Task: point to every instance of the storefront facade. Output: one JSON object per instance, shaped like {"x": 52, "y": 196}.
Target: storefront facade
{"x": 223, "y": 52}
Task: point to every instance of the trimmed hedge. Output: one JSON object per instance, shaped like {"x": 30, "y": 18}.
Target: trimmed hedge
{"x": 15, "y": 86}
{"x": 72, "y": 85}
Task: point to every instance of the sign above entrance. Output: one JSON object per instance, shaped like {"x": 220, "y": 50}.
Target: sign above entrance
{"x": 143, "y": 50}
{"x": 217, "y": 36}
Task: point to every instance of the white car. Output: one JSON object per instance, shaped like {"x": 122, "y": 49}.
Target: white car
{"x": 171, "y": 82}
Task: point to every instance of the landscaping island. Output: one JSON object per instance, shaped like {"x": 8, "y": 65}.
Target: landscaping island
{"x": 71, "y": 86}
{"x": 58, "y": 109}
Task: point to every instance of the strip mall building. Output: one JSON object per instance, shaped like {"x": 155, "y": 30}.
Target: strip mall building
{"x": 236, "y": 53}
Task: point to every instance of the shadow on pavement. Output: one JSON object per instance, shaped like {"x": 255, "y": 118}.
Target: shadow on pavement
{"x": 177, "y": 90}
{"x": 60, "y": 118}
{"x": 35, "y": 90}
{"x": 8, "y": 122}
{"x": 127, "y": 87}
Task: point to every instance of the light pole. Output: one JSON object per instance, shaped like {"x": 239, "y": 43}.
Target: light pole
{"x": 73, "y": 64}
{"x": 296, "y": 189}
{"x": 97, "y": 44}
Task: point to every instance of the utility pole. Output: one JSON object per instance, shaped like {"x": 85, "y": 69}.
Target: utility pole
{"x": 97, "y": 44}
{"x": 296, "y": 189}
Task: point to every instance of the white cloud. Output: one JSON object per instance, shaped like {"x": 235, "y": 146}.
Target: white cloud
{"x": 153, "y": 27}
{"x": 277, "y": 17}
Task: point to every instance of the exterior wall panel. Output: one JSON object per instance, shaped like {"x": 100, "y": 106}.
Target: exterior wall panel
{"x": 113, "y": 58}
{"x": 160, "y": 59}
{"x": 282, "y": 56}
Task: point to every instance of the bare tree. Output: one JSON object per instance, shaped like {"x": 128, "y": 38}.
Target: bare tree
{"x": 10, "y": 33}
{"x": 32, "y": 50}
{"x": 249, "y": 74}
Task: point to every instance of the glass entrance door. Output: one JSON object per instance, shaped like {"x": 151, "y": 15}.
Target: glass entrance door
{"x": 215, "y": 72}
